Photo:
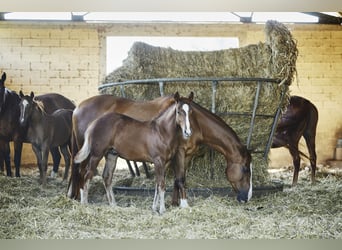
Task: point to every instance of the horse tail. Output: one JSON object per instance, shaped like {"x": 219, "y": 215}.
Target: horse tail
{"x": 75, "y": 177}
{"x": 85, "y": 150}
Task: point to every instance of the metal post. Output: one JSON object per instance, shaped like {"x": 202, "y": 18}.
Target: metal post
{"x": 255, "y": 106}
{"x": 213, "y": 109}
{"x": 161, "y": 88}
{"x": 274, "y": 125}
{"x": 122, "y": 89}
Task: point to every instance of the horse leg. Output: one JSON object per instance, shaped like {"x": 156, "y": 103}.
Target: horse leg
{"x": 66, "y": 156}
{"x": 107, "y": 177}
{"x": 146, "y": 170}
{"x": 5, "y": 157}
{"x": 296, "y": 162}
{"x": 179, "y": 193}
{"x": 18, "y": 146}
{"x": 84, "y": 192}
{"x": 159, "y": 196}
{"x": 91, "y": 167}
{"x": 75, "y": 179}
{"x": 37, "y": 152}
{"x": 56, "y": 158}
{"x": 136, "y": 168}
{"x": 45, "y": 155}
{"x": 130, "y": 168}
{"x": 310, "y": 143}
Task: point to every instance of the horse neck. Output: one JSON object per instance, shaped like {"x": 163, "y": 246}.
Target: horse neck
{"x": 218, "y": 135}
{"x": 37, "y": 116}
{"x": 166, "y": 121}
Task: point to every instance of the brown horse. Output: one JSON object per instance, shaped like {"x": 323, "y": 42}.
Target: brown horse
{"x": 10, "y": 129}
{"x": 153, "y": 141}
{"x": 94, "y": 107}
{"x": 224, "y": 141}
{"x": 212, "y": 131}
{"x": 299, "y": 119}
{"x": 45, "y": 131}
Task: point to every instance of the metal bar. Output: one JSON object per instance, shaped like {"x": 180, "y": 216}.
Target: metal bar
{"x": 213, "y": 109}
{"x": 161, "y": 88}
{"x": 185, "y": 80}
{"x": 255, "y": 106}
{"x": 122, "y": 89}
{"x": 213, "y": 96}
{"x": 275, "y": 123}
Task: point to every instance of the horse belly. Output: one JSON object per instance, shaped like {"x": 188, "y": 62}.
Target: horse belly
{"x": 132, "y": 148}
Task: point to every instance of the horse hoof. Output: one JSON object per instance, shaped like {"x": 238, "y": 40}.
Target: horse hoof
{"x": 54, "y": 174}
{"x": 183, "y": 203}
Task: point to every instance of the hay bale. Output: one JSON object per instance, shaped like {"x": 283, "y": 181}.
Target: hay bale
{"x": 276, "y": 59}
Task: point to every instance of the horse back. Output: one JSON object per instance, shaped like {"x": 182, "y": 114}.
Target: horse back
{"x": 54, "y": 101}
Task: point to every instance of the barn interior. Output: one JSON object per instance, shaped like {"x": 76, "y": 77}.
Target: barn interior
{"x": 72, "y": 53}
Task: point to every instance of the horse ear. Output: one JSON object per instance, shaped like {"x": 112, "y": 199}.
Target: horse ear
{"x": 21, "y": 94}
{"x": 176, "y": 96}
{"x": 191, "y": 96}
{"x": 32, "y": 94}
{"x": 3, "y": 77}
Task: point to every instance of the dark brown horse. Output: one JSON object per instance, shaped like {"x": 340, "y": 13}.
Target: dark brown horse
{"x": 153, "y": 141}
{"x": 45, "y": 131}
{"x": 10, "y": 130}
{"x": 225, "y": 141}
{"x": 299, "y": 119}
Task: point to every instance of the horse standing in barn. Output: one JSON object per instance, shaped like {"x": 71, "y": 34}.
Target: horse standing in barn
{"x": 153, "y": 141}
{"x": 299, "y": 119}
{"x": 10, "y": 129}
{"x": 45, "y": 131}
{"x": 239, "y": 169}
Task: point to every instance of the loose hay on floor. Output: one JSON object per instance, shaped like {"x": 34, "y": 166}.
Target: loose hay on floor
{"x": 306, "y": 212}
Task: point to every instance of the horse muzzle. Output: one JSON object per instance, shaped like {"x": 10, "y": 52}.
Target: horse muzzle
{"x": 243, "y": 196}
{"x": 187, "y": 133}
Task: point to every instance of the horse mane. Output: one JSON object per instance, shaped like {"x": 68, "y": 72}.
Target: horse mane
{"x": 40, "y": 105}
{"x": 217, "y": 118}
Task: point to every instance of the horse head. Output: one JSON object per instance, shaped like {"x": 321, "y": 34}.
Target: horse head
{"x": 26, "y": 107}
{"x": 240, "y": 176}
{"x": 3, "y": 91}
{"x": 183, "y": 113}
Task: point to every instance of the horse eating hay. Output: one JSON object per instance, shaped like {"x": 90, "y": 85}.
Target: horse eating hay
{"x": 151, "y": 141}
{"x": 299, "y": 119}
{"x": 45, "y": 131}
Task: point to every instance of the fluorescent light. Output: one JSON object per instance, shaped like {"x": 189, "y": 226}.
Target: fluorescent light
{"x": 163, "y": 16}
{"x": 285, "y": 17}
{"x": 38, "y": 16}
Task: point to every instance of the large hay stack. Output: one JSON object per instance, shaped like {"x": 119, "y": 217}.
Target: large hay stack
{"x": 275, "y": 59}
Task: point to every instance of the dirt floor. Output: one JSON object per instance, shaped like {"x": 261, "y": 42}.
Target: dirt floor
{"x": 29, "y": 211}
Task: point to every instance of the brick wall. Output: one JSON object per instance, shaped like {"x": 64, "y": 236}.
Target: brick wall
{"x": 69, "y": 58}
{"x": 44, "y": 58}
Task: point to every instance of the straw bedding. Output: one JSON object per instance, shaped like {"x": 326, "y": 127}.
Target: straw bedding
{"x": 275, "y": 58}
{"x": 306, "y": 212}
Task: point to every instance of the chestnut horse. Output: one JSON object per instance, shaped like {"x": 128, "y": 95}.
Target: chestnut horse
{"x": 94, "y": 107}
{"x": 212, "y": 131}
{"x": 10, "y": 130}
{"x": 299, "y": 119}
{"x": 45, "y": 131}
{"x": 153, "y": 141}
{"x": 224, "y": 141}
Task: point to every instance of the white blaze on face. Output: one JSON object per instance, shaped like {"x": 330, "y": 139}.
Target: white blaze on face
{"x": 187, "y": 130}
{"x": 25, "y": 103}
{"x": 250, "y": 185}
